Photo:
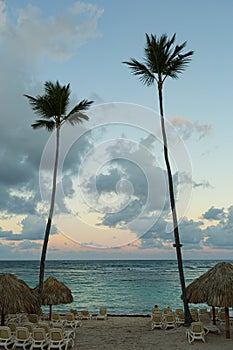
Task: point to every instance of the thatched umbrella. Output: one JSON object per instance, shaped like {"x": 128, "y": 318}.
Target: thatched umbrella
{"x": 16, "y": 296}
{"x": 215, "y": 288}
{"x": 55, "y": 293}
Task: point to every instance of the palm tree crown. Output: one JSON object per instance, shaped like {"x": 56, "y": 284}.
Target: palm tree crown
{"x": 52, "y": 106}
{"x": 162, "y": 59}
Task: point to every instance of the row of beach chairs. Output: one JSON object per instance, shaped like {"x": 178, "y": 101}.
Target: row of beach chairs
{"x": 167, "y": 318}
{"x": 57, "y": 338}
{"x": 86, "y": 315}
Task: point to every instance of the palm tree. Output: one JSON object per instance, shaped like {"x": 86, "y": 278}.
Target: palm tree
{"x": 52, "y": 106}
{"x": 163, "y": 59}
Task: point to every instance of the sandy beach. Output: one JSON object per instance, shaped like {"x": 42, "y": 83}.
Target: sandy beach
{"x": 126, "y": 333}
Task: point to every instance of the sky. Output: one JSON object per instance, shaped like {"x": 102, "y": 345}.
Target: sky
{"x": 112, "y": 198}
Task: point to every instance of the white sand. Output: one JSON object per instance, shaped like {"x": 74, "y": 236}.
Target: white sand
{"x": 126, "y": 333}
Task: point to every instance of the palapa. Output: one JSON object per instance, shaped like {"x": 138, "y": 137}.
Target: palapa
{"x": 55, "y": 293}
{"x": 16, "y": 296}
{"x": 215, "y": 288}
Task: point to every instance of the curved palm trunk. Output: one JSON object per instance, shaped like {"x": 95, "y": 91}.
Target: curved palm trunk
{"x": 49, "y": 221}
{"x": 177, "y": 245}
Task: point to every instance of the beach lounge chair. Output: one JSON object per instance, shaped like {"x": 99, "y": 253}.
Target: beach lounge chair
{"x": 6, "y": 338}
{"x": 203, "y": 310}
{"x": 221, "y": 317}
{"x": 33, "y": 318}
{"x": 70, "y": 321}
{"x": 45, "y": 326}
{"x": 22, "y": 338}
{"x": 39, "y": 339}
{"x": 12, "y": 326}
{"x": 56, "y": 319}
{"x": 57, "y": 340}
{"x": 68, "y": 333}
{"x": 29, "y": 326}
{"x": 180, "y": 318}
{"x": 205, "y": 318}
{"x": 194, "y": 315}
{"x": 102, "y": 315}
{"x": 85, "y": 315}
{"x": 154, "y": 310}
{"x": 157, "y": 320}
{"x": 75, "y": 313}
{"x": 195, "y": 332}
{"x": 169, "y": 321}
{"x": 167, "y": 310}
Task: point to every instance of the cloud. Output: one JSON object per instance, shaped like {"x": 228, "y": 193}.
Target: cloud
{"x": 33, "y": 37}
{"x": 214, "y": 214}
{"x": 27, "y": 39}
{"x": 187, "y": 129}
{"x": 2, "y": 14}
{"x": 33, "y": 228}
{"x": 25, "y": 245}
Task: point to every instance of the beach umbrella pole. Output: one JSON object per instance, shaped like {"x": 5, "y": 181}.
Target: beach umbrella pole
{"x": 50, "y": 312}
{"x": 227, "y": 322}
{"x": 214, "y": 315}
{"x": 2, "y": 316}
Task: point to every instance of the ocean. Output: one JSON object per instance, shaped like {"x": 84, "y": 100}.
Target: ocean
{"x": 123, "y": 286}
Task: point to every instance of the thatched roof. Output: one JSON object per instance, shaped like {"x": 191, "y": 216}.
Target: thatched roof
{"x": 55, "y": 292}
{"x": 215, "y": 287}
{"x": 16, "y": 295}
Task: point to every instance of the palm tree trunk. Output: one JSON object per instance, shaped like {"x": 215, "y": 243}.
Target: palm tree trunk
{"x": 177, "y": 245}
{"x": 49, "y": 221}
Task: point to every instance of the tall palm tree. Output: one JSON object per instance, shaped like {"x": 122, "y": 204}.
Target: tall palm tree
{"x": 52, "y": 106}
{"x": 165, "y": 59}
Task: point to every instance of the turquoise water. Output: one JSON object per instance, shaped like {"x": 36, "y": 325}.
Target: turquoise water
{"x": 124, "y": 287}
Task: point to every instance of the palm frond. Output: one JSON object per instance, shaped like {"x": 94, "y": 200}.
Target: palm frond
{"x": 40, "y": 123}
{"x": 53, "y": 104}
{"x": 58, "y": 96}
{"x": 145, "y": 76}
{"x": 41, "y": 105}
{"x": 76, "y": 118}
{"x": 81, "y": 106}
{"x": 161, "y": 59}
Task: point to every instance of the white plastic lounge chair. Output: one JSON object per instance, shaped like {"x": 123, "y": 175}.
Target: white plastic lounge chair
{"x": 33, "y": 318}
{"x": 39, "y": 339}
{"x": 194, "y": 315}
{"x": 46, "y": 327}
{"x": 203, "y": 311}
{"x": 67, "y": 333}
{"x": 155, "y": 310}
{"x": 70, "y": 321}
{"x": 169, "y": 320}
{"x": 12, "y": 325}
{"x": 57, "y": 340}
{"x": 221, "y": 317}
{"x": 75, "y": 313}
{"x": 157, "y": 320}
{"x": 167, "y": 310}
{"x": 195, "y": 332}
{"x": 29, "y": 326}
{"x": 205, "y": 318}
{"x": 56, "y": 319}
{"x": 180, "y": 318}
{"x": 22, "y": 338}
{"x": 85, "y": 315}
{"x": 6, "y": 338}
{"x": 102, "y": 315}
